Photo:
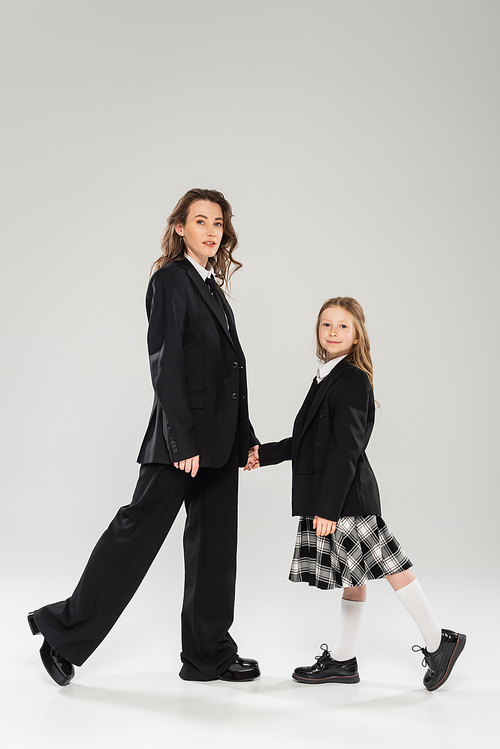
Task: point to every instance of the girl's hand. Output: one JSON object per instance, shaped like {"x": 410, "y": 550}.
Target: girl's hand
{"x": 323, "y": 527}
{"x": 253, "y": 459}
{"x": 190, "y": 465}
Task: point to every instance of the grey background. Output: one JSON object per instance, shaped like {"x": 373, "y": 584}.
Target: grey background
{"x": 358, "y": 144}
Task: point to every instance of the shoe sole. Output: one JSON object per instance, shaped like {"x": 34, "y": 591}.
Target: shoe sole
{"x": 462, "y": 639}
{"x": 354, "y": 679}
{"x": 61, "y": 679}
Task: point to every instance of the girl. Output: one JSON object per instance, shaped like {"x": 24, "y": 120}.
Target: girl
{"x": 198, "y": 434}
{"x": 342, "y": 540}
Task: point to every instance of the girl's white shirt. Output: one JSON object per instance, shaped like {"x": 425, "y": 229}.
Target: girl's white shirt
{"x": 325, "y": 368}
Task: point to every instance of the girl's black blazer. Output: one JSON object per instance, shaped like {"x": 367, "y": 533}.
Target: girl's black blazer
{"x": 331, "y": 475}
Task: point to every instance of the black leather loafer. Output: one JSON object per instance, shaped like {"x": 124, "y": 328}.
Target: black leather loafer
{"x": 58, "y": 668}
{"x": 442, "y": 660}
{"x": 241, "y": 669}
{"x": 61, "y": 670}
{"x": 326, "y": 670}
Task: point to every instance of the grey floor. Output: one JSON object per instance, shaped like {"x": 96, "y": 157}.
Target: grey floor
{"x": 129, "y": 692}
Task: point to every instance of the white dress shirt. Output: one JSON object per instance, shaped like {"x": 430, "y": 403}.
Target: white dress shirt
{"x": 204, "y": 272}
{"x": 327, "y": 366}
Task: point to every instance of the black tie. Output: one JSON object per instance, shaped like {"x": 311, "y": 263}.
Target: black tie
{"x": 217, "y": 294}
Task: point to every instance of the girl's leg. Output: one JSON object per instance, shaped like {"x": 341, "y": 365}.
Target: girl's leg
{"x": 411, "y": 595}
{"x": 357, "y": 593}
{"x": 351, "y": 612}
{"x": 400, "y": 579}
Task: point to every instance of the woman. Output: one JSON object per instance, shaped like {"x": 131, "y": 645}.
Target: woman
{"x": 198, "y": 434}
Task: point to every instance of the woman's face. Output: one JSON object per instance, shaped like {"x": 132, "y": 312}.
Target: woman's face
{"x": 337, "y": 334}
{"x": 202, "y": 231}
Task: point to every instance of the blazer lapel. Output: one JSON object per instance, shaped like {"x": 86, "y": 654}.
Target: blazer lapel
{"x": 207, "y": 296}
{"x": 322, "y": 391}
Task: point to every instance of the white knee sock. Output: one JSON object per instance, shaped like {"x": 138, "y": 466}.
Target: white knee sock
{"x": 351, "y": 613}
{"x": 413, "y": 599}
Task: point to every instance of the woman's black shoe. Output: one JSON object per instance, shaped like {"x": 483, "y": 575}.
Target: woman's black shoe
{"x": 326, "y": 670}
{"x": 58, "y": 668}
{"x": 241, "y": 669}
{"x": 442, "y": 660}
{"x": 33, "y": 624}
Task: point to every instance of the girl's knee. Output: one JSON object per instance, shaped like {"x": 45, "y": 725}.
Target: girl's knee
{"x": 357, "y": 593}
{"x": 400, "y": 579}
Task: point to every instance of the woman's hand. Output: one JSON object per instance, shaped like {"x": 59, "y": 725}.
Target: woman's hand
{"x": 253, "y": 458}
{"x": 190, "y": 465}
{"x": 323, "y": 527}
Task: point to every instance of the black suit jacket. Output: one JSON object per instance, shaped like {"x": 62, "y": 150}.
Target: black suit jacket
{"x": 331, "y": 474}
{"x": 198, "y": 371}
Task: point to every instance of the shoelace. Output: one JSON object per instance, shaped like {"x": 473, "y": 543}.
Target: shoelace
{"x": 425, "y": 659}
{"x": 324, "y": 655}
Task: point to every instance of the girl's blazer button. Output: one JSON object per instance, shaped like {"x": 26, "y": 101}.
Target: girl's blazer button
{"x": 318, "y": 444}
{"x": 235, "y": 365}
{"x": 311, "y": 471}
{"x": 234, "y": 396}
{"x": 322, "y": 416}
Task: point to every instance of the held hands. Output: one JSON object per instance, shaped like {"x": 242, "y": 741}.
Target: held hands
{"x": 190, "y": 465}
{"x": 324, "y": 527}
{"x": 253, "y": 459}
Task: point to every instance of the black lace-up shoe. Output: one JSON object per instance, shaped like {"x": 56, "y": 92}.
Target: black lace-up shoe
{"x": 328, "y": 671}
{"x": 442, "y": 660}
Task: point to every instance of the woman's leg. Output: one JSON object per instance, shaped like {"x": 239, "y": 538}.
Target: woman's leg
{"x": 117, "y": 565}
{"x": 210, "y": 538}
{"x": 352, "y": 607}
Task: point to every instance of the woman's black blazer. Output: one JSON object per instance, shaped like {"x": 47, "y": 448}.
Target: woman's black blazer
{"x": 198, "y": 371}
{"x": 331, "y": 475}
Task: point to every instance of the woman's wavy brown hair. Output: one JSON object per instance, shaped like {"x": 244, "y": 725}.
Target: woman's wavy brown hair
{"x": 360, "y": 353}
{"x": 172, "y": 244}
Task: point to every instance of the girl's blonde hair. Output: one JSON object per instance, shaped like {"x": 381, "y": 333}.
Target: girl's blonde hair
{"x": 172, "y": 245}
{"x": 359, "y": 355}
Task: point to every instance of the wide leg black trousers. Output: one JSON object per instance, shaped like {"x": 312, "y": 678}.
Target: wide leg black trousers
{"x": 125, "y": 551}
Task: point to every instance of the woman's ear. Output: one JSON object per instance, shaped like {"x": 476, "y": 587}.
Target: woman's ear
{"x": 179, "y": 229}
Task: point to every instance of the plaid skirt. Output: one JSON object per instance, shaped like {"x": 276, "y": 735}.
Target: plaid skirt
{"x": 362, "y": 548}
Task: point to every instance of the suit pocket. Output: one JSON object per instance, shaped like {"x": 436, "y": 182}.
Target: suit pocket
{"x": 198, "y": 399}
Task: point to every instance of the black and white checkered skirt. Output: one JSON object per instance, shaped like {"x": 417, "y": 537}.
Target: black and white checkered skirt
{"x": 362, "y": 548}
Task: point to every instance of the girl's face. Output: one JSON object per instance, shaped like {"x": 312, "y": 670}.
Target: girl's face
{"x": 337, "y": 334}
{"x": 202, "y": 231}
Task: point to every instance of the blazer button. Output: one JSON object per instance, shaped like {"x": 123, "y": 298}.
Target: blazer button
{"x": 311, "y": 471}
{"x": 235, "y": 396}
{"x": 318, "y": 444}
{"x": 322, "y": 416}
{"x": 235, "y": 364}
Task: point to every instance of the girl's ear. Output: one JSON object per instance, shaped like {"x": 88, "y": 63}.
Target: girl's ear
{"x": 179, "y": 229}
